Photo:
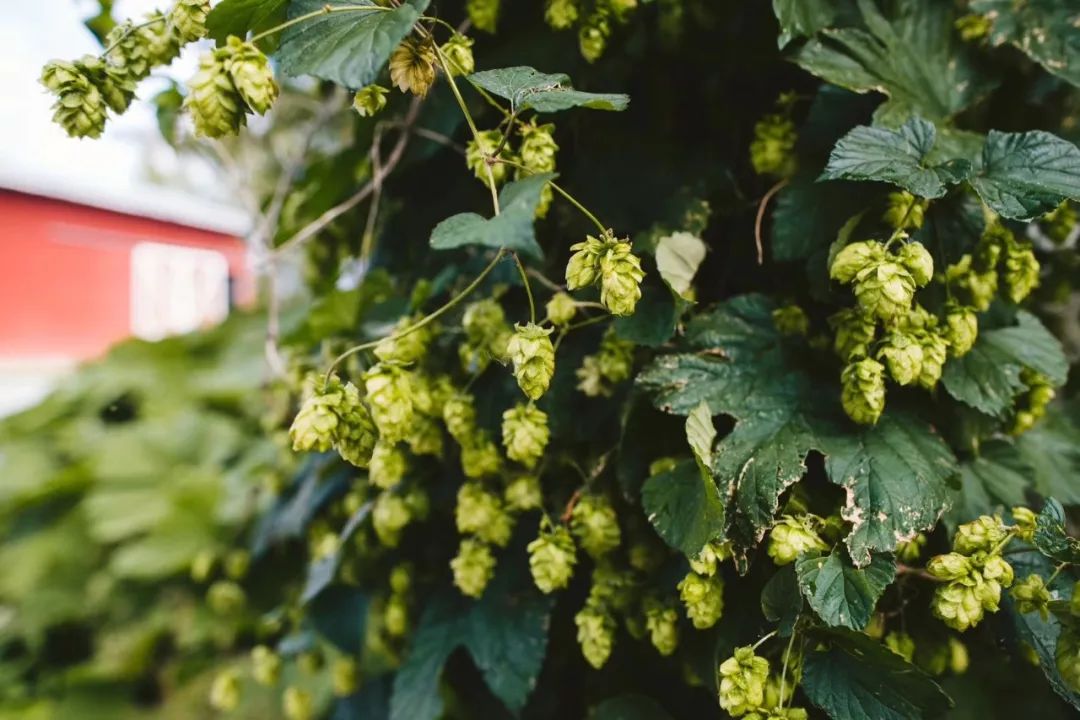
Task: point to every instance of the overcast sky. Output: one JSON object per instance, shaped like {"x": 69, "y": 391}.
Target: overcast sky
{"x": 35, "y": 154}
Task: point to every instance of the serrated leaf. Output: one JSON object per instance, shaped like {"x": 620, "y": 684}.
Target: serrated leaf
{"x": 857, "y": 678}
{"x": 339, "y": 614}
{"x": 803, "y": 18}
{"x": 1025, "y": 175}
{"x": 1044, "y": 29}
{"x": 678, "y": 258}
{"x": 629, "y": 707}
{"x": 701, "y": 434}
{"x": 896, "y": 477}
{"x": 808, "y": 215}
{"x": 988, "y": 377}
{"x": 239, "y": 17}
{"x": 684, "y": 507}
{"x": 840, "y": 593}
{"x": 348, "y": 47}
{"x": 997, "y": 477}
{"x": 781, "y": 600}
{"x": 897, "y": 157}
{"x": 512, "y": 228}
{"x": 914, "y": 57}
{"x": 1053, "y": 456}
{"x": 527, "y": 88}
{"x": 655, "y": 317}
{"x": 1051, "y": 538}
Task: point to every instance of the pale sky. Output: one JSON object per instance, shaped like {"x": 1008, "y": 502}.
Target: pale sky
{"x": 37, "y": 156}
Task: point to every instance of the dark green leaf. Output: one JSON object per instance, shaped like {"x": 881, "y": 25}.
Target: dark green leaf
{"x": 684, "y": 507}
{"x": 1027, "y": 174}
{"x": 512, "y": 228}
{"x": 1044, "y": 29}
{"x": 416, "y": 685}
{"x": 654, "y": 319}
{"x": 803, "y": 18}
{"x": 896, "y": 477}
{"x": 348, "y": 47}
{"x": 1051, "y": 538}
{"x": 527, "y": 88}
{"x": 629, "y": 707}
{"x": 857, "y": 678}
{"x": 339, "y": 614}
{"x": 998, "y": 476}
{"x": 988, "y": 377}
{"x": 808, "y": 215}
{"x": 239, "y": 17}
{"x": 840, "y": 593}
{"x": 781, "y": 601}
{"x": 1051, "y": 452}
{"x": 895, "y": 156}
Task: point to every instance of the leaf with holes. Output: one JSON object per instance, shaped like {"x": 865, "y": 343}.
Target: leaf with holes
{"x": 527, "y": 88}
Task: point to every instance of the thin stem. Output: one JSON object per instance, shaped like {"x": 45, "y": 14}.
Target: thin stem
{"x": 573, "y": 201}
{"x": 368, "y": 242}
{"x": 899, "y": 231}
{"x": 762, "y": 640}
{"x": 586, "y": 323}
{"x": 457, "y": 94}
{"x": 506, "y": 135}
{"x": 902, "y": 569}
{"x": 783, "y": 670}
{"x": 761, "y": 218}
{"x": 1057, "y": 571}
{"x": 124, "y": 36}
{"x": 324, "y": 10}
{"x": 554, "y": 287}
{"x": 1001, "y": 545}
{"x": 427, "y": 319}
{"x": 440, "y": 21}
{"x": 491, "y": 184}
{"x": 528, "y": 288}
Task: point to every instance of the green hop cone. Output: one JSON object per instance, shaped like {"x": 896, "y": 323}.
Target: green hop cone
{"x": 593, "y": 36}
{"x": 80, "y": 107}
{"x": 130, "y": 51}
{"x": 620, "y": 278}
{"x": 583, "y": 268}
{"x": 525, "y": 434}
{"x": 590, "y": 378}
{"x": 356, "y": 433}
{"x": 904, "y": 357}
{"x": 595, "y": 633}
{"x": 479, "y": 149}
{"x": 344, "y": 676}
{"x": 561, "y": 309}
{"x": 389, "y": 395}
{"x": 902, "y": 644}
{"x": 958, "y": 656}
{"x": 855, "y": 333}
{"x": 709, "y": 558}
{"x": 162, "y": 42}
{"x": 1067, "y": 656}
{"x": 917, "y": 260}
{"x": 251, "y": 74}
{"x": 742, "y": 681}
{"x": 961, "y": 329}
{"x": 595, "y": 524}
{"x": 225, "y": 597}
{"x": 1074, "y": 600}
{"x": 910, "y": 550}
{"x": 459, "y": 414}
{"x": 480, "y": 456}
{"x": 426, "y": 437}
{"x": 405, "y": 347}
{"x": 473, "y": 567}
{"x": 552, "y": 557}
{"x": 215, "y": 104}
{"x": 1021, "y": 272}
{"x": 905, "y": 211}
{"x": 265, "y": 665}
{"x": 1026, "y": 520}
{"x": 396, "y": 617}
{"x": 662, "y": 624}
{"x": 791, "y": 537}
{"x": 481, "y": 513}
{"x": 791, "y": 320}
{"x": 772, "y": 152}
{"x": 935, "y": 353}
{"x": 188, "y": 19}
{"x": 979, "y": 535}
{"x": 297, "y": 704}
{"x": 615, "y": 361}
{"x": 389, "y": 516}
{"x": 412, "y": 66}
{"x": 1059, "y": 224}
{"x": 995, "y": 568}
{"x": 225, "y": 691}
{"x": 237, "y": 563}
{"x": 370, "y": 100}
{"x": 950, "y": 566}
{"x": 533, "y": 355}
{"x": 561, "y": 14}
{"x": 484, "y": 14}
{"x": 315, "y": 427}
{"x": 458, "y": 51}
{"x": 538, "y": 148}
{"x": 387, "y": 466}
{"x": 202, "y": 566}
{"x": 1032, "y": 595}
{"x": 973, "y": 26}
{"x": 523, "y": 493}
{"x": 703, "y": 597}
{"x": 957, "y": 604}
{"x": 854, "y": 259}
{"x": 885, "y": 290}
{"x": 863, "y": 391}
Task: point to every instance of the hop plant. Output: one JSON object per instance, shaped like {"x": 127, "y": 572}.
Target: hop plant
{"x": 225, "y": 691}
{"x": 484, "y": 14}
{"x": 961, "y": 329}
{"x": 481, "y": 513}
{"x": 389, "y": 395}
{"x": 742, "y": 681}
{"x": 412, "y": 66}
{"x": 935, "y": 352}
{"x": 855, "y": 258}
{"x": 533, "y": 355}
{"x": 1067, "y": 656}
{"x": 538, "y": 147}
{"x": 1026, "y": 521}
{"x": 593, "y": 36}
{"x": 918, "y": 261}
{"x": 213, "y": 100}
{"x": 188, "y": 19}
{"x": 662, "y": 624}
{"x": 561, "y": 309}
{"x": 595, "y": 524}
{"x": 863, "y": 391}
{"x": 620, "y": 278}
{"x": 1060, "y": 223}
{"x": 791, "y": 537}
{"x": 297, "y": 704}
{"x": 595, "y": 633}
{"x": 950, "y": 566}
{"x": 370, "y": 100}
{"x": 426, "y": 437}
{"x": 1021, "y": 271}
{"x": 130, "y": 51}
{"x": 473, "y": 567}
{"x": 162, "y": 42}
{"x": 959, "y": 604}
{"x": 978, "y": 288}
{"x": 523, "y": 493}
{"x": 316, "y": 425}
{"x": 791, "y": 320}
{"x": 525, "y": 434}
{"x": 904, "y": 357}
{"x": 703, "y": 597}
{"x": 583, "y": 268}
{"x": 459, "y": 414}
{"x": 905, "y": 211}
{"x": 855, "y": 332}
{"x": 480, "y": 456}
{"x": 477, "y": 152}
{"x": 387, "y": 466}
{"x": 561, "y": 14}
{"x": 405, "y": 345}
{"x": 885, "y": 290}
{"x": 356, "y": 433}
{"x": 389, "y": 516}
{"x": 552, "y": 558}
{"x": 1032, "y": 405}
{"x": 772, "y": 151}
{"x": 458, "y": 50}
{"x": 1032, "y": 595}
{"x": 979, "y": 535}
{"x": 265, "y": 665}
{"x": 709, "y": 558}
{"x": 80, "y": 106}
{"x": 902, "y": 644}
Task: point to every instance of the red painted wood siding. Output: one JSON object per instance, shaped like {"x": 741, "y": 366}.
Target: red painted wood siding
{"x": 65, "y": 273}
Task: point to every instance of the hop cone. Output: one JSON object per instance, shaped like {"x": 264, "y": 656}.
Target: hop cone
{"x": 551, "y": 559}
{"x": 523, "y": 493}
{"x": 595, "y": 633}
{"x": 80, "y": 105}
{"x": 480, "y": 456}
{"x": 251, "y": 74}
{"x": 1021, "y": 274}
{"x": 131, "y": 51}
{"x": 904, "y": 357}
{"x": 525, "y": 434}
{"x": 583, "y": 268}
{"x": 473, "y": 567}
{"x": 478, "y": 150}
{"x": 792, "y": 537}
{"x": 961, "y": 329}
{"x": 412, "y": 66}
{"x": 407, "y": 348}
{"x": 387, "y": 466}
{"x": 389, "y": 394}
{"x": 538, "y": 147}
{"x": 704, "y": 599}
{"x": 662, "y": 623}
{"x": 854, "y": 333}
{"x": 481, "y": 513}
{"x": 533, "y": 355}
{"x": 979, "y": 535}
{"x": 917, "y": 260}
{"x": 389, "y": 516}
{"x": 459, "y": 414}
{"x": 742, "y": 681}
{"x": 620, "y": 279}
{"x": 188, "y": 18}
{"x": 561, "y": 14}
{"x": 215, "y": 105}
{"x": 370, "y": 100}
{"x": 863, "y": 391}
{"x": 1067, "y": 656}
{"x": 772, "y": 151}
{"x": 595, "y": 525}
{"x": 561, "y": 309}
{"x": 458, "y": 50}
{"x": 225, "y": 691}
{"x": 855, "y": 258}
{"x": 886, "y": 290}
{"x": 1032, "y": 595}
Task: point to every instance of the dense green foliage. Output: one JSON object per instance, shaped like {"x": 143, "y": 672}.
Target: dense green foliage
{"x": 679, "y": 358}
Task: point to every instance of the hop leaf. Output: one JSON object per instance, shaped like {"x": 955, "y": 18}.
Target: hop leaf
{"x": 595, "y": 633}
{"x": 552, "y": 558}
{"x": 525, "y": 434}
{"x": 412, "y": 66}
{"x": 703, "y": 597}
{"x": 620, "y": 278}
{"x": 595, "y": 525}
{"x": 791, "y": 537}
{"x": 188, "y": 19}
{"x": 251, "y": 74}
{"x": 473, "y": 567}
{"x": 370, "y": 100}
{"x": 533, "y": 355}
{"x": 458, "y": 50}
{"x": 863, "y": 391}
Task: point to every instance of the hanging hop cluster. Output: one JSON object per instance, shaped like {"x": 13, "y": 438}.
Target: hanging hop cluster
{"x": 772, "y": 151}
{"x": 533, "y": 356}
{"x": 1032, "y": 404}
{"x": 612, "y": 364}
{"x": 793, "y": 536}
{"x": 595, "y": 524}
{"x": 746, "y": 689}
{"x": 702, "y": 590}
{"x": 525, "y": 434}
{"x": 611, "y": 263}
{"x": 552, "y": 556}
{"x": 487, "y": 335}
{"x": 233, "y": 80}
{"x": 973, "y": 574}
{"x": 596, "y": 624}
{"x": 334, "y": 416}
{"x": 998, "y": 260}
{"x": 595, "y": 21}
